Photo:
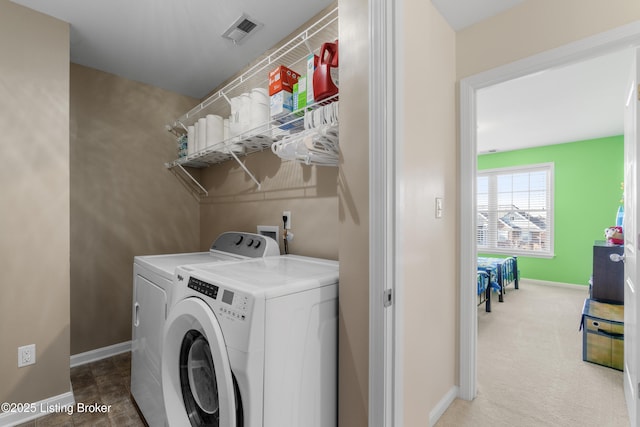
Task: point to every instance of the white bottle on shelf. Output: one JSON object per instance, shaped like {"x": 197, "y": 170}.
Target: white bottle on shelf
{"x": 259, "y": 110}
{"x": 196, "y": 137}
{"x": 191, "y": 139}
{"x": 202, "y": 133}
{"x": 215, "y": 129}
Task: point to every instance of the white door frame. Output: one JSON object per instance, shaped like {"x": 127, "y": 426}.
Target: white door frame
{"x": 631, "y": 241}
{"x": 599, "y": 44}
{"x": 385, "y": 378}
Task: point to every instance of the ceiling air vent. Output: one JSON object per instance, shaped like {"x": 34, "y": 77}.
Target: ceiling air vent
{"x": 241, "y": 28}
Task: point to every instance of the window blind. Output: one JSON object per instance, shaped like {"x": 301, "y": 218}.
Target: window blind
{"x": 515, "y": 210}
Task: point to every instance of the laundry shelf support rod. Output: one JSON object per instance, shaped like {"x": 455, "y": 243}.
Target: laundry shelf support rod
{"x": 192, "y": 179}
{"x": 242, "y": 165}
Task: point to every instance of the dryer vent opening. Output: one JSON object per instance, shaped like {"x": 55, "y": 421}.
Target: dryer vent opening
{"x": 241, "y": 28}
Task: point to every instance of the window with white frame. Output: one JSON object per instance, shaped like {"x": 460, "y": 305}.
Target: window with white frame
{"x": 515, "y": 210}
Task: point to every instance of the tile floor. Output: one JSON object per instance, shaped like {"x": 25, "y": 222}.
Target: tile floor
{"x": 106, "y": 382}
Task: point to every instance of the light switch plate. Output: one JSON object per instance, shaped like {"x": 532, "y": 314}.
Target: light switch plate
{"x": 439, "y": 207}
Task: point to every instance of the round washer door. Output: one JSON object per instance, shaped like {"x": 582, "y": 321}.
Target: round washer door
{"x": 197, "y": 383}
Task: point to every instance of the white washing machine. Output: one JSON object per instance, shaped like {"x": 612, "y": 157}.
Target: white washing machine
{"x": 152, "y": 288}
{"x": 253, "y": 344}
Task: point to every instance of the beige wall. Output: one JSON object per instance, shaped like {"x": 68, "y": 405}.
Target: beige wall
{"x": 124, "y": 202}
{"x": 429, "y": 245}
{"x": 34, "y": 203}
{"x": 353, "y": 216}
{"x": 536, "y": 26}
{"x": 235, "y": 203}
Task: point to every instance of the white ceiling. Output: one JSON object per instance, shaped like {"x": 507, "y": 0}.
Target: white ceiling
{"x": 173, "y": 44}
{"x": 177, "y": 45}
{"x": 464, "y": 13}
{"x": 579, "y": 101}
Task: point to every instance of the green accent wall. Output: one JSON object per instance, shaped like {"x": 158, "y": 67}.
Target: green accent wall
{"x": 587, "y": 193}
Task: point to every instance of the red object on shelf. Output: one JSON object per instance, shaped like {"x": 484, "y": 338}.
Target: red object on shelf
{"x": 282, "y": 78}
{"x": 323, "y": 84}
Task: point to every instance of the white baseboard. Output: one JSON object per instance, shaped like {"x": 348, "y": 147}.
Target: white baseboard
{"x": 60, "y": 403}
{"x": 584, "y": 287}
{"x": 442, "y": 406}
{"x": 99, "y": 353}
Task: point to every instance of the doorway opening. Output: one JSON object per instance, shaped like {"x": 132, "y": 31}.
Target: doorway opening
{"x": 591, "y": 47}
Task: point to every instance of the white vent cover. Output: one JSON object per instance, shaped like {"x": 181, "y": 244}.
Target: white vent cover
{"x": 241, "y": 28}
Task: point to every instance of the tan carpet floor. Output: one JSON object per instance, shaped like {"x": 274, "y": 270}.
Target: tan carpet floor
{"x": 530, "y": 367}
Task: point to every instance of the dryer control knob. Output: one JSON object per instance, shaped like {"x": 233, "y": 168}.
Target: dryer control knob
{"x": 240, "y": 239}
{"x": 250, "y": 242}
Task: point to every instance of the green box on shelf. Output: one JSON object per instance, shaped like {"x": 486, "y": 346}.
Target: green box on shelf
{"x": 300, "y": 96}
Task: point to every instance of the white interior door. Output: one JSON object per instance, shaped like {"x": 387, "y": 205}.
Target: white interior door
{"x": 632, "y": 245}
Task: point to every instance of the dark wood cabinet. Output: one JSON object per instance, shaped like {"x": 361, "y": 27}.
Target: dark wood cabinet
{"x": 607, "y": 281}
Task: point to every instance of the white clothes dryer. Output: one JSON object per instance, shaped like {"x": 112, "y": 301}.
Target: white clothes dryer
{"x": 253, "y": 344}
{"x": 152, "y": 288}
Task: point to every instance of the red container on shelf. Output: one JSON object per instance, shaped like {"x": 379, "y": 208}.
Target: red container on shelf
{"x": 326, "y": 71}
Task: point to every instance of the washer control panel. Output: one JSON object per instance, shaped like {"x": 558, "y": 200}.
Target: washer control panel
{"x": 230, "y": 304}
{"x": 234, "y": 304}
{"x": 203, "y": 287}
{"x": 246, "y": 244}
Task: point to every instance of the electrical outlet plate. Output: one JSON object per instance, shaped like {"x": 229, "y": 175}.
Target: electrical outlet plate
{"x": 26, "y": 355}
{"x": 272, "y": 231}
